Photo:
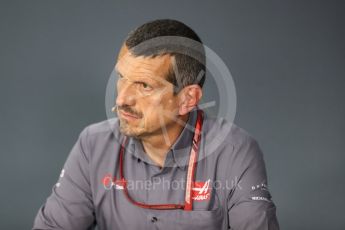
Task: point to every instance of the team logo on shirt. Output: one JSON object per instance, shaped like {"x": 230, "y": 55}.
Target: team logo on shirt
{"x": 201, "y": 190}
{"x": 61, "y": 175}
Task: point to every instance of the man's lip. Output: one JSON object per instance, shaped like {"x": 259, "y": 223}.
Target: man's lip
{"x": 128, "y": 115}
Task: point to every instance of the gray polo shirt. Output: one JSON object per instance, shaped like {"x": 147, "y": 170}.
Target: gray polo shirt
{"x": 230, "y": 189}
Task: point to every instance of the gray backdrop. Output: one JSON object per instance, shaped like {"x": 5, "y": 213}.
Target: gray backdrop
{"x": 287, "y": 59}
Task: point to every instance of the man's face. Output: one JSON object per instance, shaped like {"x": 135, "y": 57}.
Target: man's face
{"x": 146, "y": 104}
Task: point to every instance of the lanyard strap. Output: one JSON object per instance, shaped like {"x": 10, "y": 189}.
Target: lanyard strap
{"x": 192, "y": 165}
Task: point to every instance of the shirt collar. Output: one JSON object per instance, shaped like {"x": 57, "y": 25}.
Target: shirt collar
{"x": 179, "y": 151}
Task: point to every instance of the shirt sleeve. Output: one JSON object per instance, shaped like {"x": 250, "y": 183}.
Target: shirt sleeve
{"x": 249, "y": 204}
{"x": 70, "y": 204}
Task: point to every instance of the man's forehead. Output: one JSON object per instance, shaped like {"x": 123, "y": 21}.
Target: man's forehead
{"x": 128, "y": 64}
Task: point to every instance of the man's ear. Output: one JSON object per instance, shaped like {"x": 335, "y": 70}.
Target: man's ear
{"x": 189, "y": 97}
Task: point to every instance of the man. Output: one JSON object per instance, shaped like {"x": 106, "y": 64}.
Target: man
{"x": 121, "y": 173}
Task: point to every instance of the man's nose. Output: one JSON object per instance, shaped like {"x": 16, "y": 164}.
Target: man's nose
{"x": 125, "y": 95}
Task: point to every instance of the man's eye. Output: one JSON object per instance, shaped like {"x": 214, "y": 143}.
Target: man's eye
{"x": 145, "y": 85}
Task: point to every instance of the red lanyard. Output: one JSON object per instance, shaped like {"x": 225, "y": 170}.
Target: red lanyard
{"x": 188, "y": 205}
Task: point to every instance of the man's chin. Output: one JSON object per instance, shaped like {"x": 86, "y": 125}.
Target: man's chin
{"x": 128, "y": 131}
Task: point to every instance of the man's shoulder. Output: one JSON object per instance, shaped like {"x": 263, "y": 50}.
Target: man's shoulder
{"x": 232, "y": 144}
{"x": 102, "y": 128}
{"x": 220, "y": 132}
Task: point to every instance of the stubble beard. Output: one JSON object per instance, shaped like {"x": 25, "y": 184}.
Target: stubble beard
{"x": 131, "y": 131}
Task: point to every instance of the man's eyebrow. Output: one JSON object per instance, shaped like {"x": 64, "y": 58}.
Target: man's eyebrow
{"x": 145, "y": 78}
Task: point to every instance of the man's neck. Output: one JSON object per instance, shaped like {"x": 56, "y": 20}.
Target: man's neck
{"x": 157, "y": 146}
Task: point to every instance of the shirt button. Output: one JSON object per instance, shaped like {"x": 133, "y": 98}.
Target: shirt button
{"x": 154, "y": 219}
